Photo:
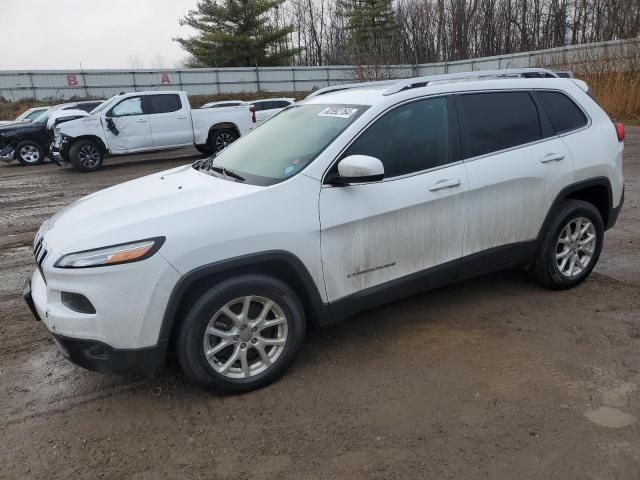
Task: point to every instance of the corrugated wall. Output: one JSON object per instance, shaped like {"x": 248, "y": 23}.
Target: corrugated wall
{"x": 59, "y": 84}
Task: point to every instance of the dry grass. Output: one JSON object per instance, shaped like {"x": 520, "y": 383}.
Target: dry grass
{"x": 617, "y": 93}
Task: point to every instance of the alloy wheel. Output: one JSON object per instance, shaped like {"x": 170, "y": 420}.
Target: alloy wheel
{"x": 575, "y": 247}
{"x": 222, "y": 140}
{"x": 89, "y": 156}
{"x": 245, "y": 337}
{"x": 30, "y": 154}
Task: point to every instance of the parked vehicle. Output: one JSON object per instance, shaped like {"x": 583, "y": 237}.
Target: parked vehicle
{"x": 28, "y": 142}
{"x": 377, "y": 193}
{"x": 268, "y": 107}
{"x": 144, "y": 122}
{"x": 224, "y": 104}
{"x": 27, "y": 116}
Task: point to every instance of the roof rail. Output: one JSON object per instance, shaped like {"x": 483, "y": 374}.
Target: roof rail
{"x": 417, "y": 82}
{"x": 347, "y": 86}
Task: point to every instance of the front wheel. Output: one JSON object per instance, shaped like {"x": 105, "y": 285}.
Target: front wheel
{"x": 29, "y": 153}
{"x": 571, "y": 246}
{"x": 86, "y": 156}
{"x": 241, "y": 334}
{"x": 220, "y": 139}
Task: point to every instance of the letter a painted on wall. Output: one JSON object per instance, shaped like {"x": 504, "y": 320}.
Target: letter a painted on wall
{"x": 72, "y": 81}
{"x": 165, "y": 79}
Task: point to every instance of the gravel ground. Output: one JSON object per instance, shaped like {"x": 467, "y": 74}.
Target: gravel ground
{"x": 490, "y": 378}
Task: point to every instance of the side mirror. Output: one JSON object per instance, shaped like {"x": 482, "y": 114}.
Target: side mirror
{"x": 358, "y": 169}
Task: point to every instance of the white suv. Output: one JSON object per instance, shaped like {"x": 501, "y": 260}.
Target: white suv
{"x": 380, "y": 191}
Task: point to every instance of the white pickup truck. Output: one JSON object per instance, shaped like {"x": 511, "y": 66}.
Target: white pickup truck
{"x": 144, "y": 122}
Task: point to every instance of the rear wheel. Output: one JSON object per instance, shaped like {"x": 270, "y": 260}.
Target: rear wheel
{"x": 571, "y": 246}
{"x": 86, "y": 156}
{"x": 241, "y": 334}
{"x": 220, "y": 139}
{"x": 29, "y": 153}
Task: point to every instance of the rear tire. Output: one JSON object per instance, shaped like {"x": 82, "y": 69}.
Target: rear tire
{"x": 86, "y": 156}
{"x": 570, "y": 247}
{"x": 241, "y": 334}
{"x": 220, "y": 139}
{"x": 205, "y": 149}
{"x": 29, "y": 153}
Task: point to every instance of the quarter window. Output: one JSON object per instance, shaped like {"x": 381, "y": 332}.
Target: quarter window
{"x": 410, "y": 138}
{"x": 563, "y": 112}
{"x": 165, "y": 103}
{"x": 496, "y": 121}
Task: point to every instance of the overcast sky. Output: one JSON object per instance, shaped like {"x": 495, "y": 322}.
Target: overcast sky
{"x": 52, "y": 34}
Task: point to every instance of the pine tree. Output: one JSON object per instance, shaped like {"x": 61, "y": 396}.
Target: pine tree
{"x": 236, "y": 33}
{"x": 371, "y": 26}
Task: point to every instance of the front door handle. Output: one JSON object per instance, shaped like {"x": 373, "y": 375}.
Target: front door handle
{"x": 182, "y": 118}
{"x": 552, "y": 157}
{"x": 142, "y": 120}
{"x": 454, "y": 182}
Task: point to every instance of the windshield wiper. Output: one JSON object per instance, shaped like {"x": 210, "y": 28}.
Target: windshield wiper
{"x": 228, "y": 173}
{"x": 207, "y": 164}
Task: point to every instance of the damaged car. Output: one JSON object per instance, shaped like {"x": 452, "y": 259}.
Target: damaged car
{"x": 28, "y": 142}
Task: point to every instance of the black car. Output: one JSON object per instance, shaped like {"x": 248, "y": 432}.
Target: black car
{"x": 29, "y": 142}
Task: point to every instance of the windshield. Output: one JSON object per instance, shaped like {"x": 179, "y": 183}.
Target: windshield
{"x": 101, "y": 107}
{"x": 43, "y": 117}
{"x": 285, "y": 144}
{"x": 34, "y": 114}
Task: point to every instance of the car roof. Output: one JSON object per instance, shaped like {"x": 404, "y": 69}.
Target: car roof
{"x": 390, "y": 91}
{"x": 272, "y": 99}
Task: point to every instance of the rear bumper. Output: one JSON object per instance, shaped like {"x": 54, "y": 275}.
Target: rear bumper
{"x": 615, "y": 212}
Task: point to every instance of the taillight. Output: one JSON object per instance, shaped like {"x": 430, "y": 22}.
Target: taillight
{"x": 252, "y": 109}
{"x": 619, "y": 130}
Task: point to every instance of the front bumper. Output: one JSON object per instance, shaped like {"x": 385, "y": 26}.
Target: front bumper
{"x": 7, "y": 154}
{"x": 59, "y": 152}
{"x": 100, "y": 357}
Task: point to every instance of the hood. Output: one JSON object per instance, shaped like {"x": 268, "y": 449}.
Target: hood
{"x": 20, "y": 127}
{"x": 146, "y": 207}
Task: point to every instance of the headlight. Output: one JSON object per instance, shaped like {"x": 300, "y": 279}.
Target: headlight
{"x": 113, "y": 255}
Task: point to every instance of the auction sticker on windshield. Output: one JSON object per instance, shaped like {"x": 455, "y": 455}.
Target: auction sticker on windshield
{"x": 340, "y": 112}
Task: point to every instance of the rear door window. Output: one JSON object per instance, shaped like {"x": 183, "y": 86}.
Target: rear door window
{"x": 495, "y": 121}
{"x": 564, "y": 114}
{"x": 279, "y": 104}
{"x": 165, "y": 103}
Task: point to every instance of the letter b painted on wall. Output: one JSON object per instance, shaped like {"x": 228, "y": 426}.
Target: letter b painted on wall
{"x": 72, "y": 81}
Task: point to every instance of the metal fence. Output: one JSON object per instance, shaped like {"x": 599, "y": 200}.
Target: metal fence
{"x": 61, "y": 84}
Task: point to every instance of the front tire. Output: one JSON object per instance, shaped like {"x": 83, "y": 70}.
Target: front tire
{"x": 220, "y": 139}
{"x": 29, "y": 153}
{"x": 571, "y": 246}
{"x": 241, "y": 334}
{"x": 86, "y": 156}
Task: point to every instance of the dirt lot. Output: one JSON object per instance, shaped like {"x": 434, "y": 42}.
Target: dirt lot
{"x": 492, "y": 378}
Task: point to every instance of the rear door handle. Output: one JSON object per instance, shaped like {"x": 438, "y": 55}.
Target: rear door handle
{"x": 552, "y": 157}
{"x": 142, "y": 120}
{"x": 454, "y": 182}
